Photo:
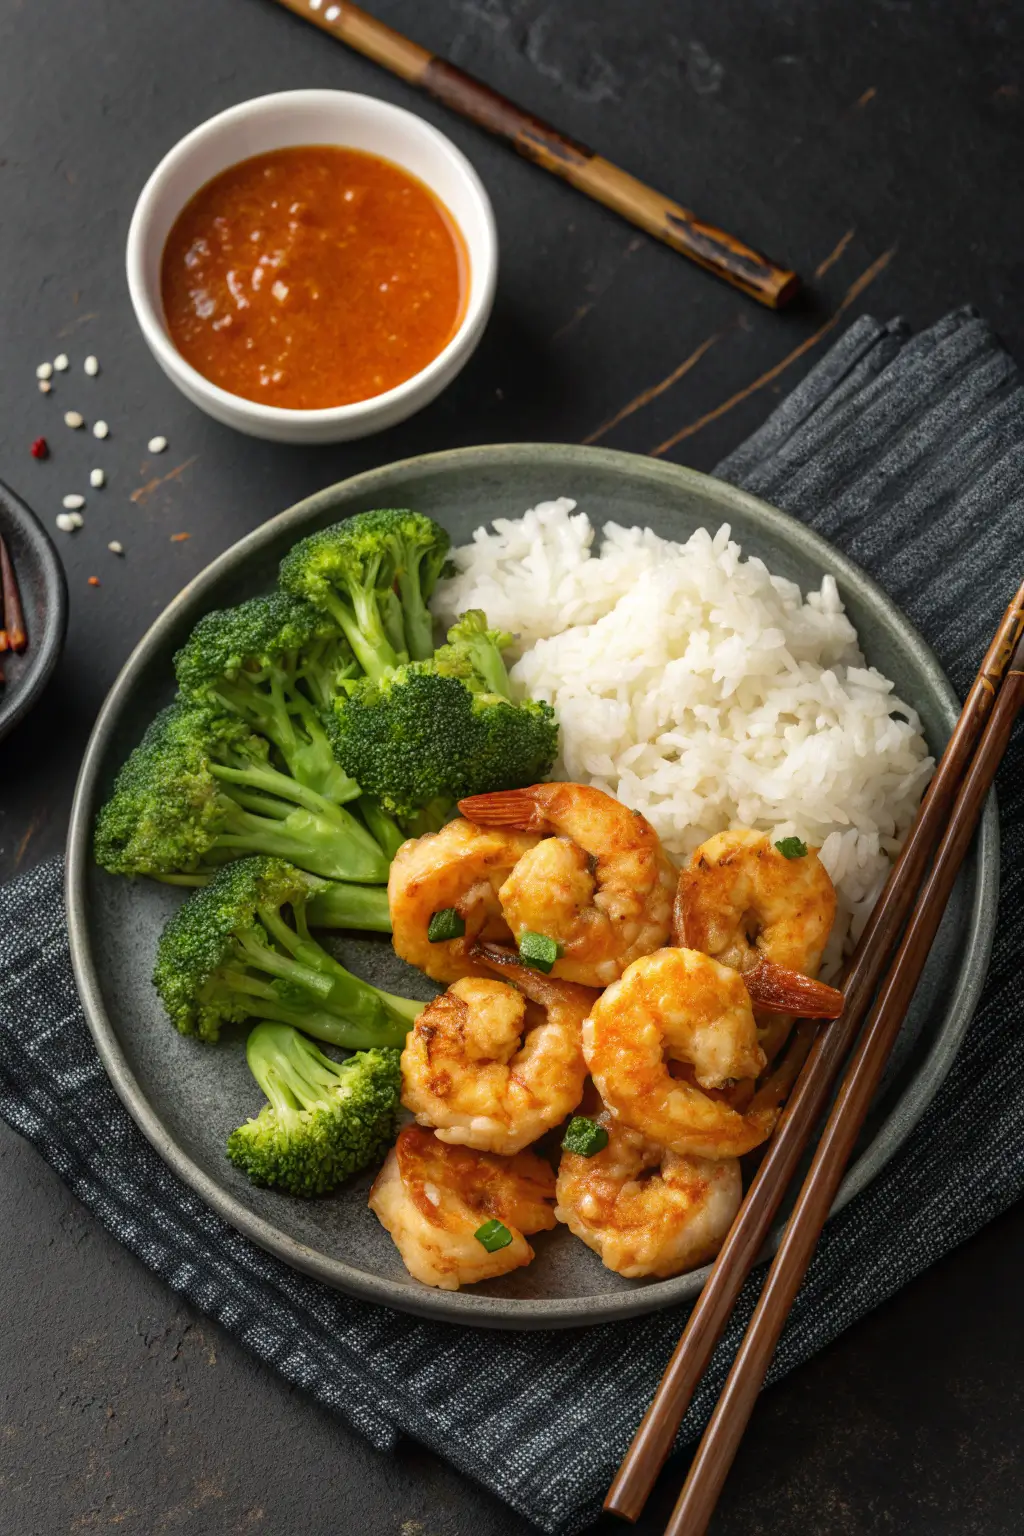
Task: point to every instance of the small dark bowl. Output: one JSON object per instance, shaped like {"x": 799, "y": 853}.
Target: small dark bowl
{"x": 44, "y": 597}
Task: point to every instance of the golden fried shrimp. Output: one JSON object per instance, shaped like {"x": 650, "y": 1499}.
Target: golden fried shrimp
{"x": 769, "y": 917}
{"x": 599, "y": 885}
{"x": 644, "y": 1210}
{"x": 494, "y": 1066}
{"x": 461, "y": 866}
{"x": 678, "y": 1006}
{"x": 433, "y": 1200}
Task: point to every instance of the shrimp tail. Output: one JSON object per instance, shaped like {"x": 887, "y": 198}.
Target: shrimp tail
{"x": 506, "y": 808}
{"x": 546, "y": 990}
{"x": 784, "y": 991}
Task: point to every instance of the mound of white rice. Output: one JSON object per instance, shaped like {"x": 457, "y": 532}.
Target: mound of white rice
{"x": 702, "y": 690}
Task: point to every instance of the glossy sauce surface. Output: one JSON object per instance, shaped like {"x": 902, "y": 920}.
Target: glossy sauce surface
{"x": 313, "y": 277}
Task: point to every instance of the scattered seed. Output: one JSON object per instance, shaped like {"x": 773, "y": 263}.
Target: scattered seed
{"x": 74, "y": 419}
{"x": 61, "y": 363}
{"x": 73, "y": 502}
{"x": 176, "y": 538}
{"x": 157, "y": 444}
{"x": 101, "y": 429}
{"x": 116, "y": 547}
{"x": 91, "y": 366}
{"x": 40, "y": 448}
{"x": 44, "y": 371}
{"x": 77, "y": 519}
{"x": 45, "y": 386}
{"x": 94, "y": 581}
{"x": 65, "y": 522}
{"x": 97, "y": 478}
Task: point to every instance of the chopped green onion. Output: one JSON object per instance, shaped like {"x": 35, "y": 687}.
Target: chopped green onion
{"x": 493, "y": 1235}
{"x": 446, "y": 924}
{"x": 584, "y": 1137}
{"x": 792, "y": 848}
{"x": 538, "y": 951}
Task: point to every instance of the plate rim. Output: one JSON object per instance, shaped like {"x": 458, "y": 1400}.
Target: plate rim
{"x": 467, "y": 1307}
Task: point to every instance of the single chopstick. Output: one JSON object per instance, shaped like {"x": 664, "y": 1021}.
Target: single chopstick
{"x": 721, "y": 1438}
{"x": 739, "y": 1253}
{"x": 711, "y": 248}
{"x": 13, "y": 614}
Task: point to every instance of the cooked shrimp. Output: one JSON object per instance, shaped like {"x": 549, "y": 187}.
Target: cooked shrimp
{"x": 768, "y": 917}
{"x": 433, "y": 1200}
{"x": 461, "y": 866}
{"x": 601, "y": 886}
{"x": 494, "y": 1066}
{"x": 644, "y": 1210}
{"x": 681, "y": 1006}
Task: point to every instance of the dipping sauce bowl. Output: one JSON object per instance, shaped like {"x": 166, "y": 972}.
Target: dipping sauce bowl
{"x": 287, "y": 121}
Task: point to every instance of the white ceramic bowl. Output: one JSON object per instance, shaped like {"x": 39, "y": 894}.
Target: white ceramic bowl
{"x": 312, "y": 117}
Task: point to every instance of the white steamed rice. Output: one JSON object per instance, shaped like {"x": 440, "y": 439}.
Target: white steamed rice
{"x": 702, "y": 690}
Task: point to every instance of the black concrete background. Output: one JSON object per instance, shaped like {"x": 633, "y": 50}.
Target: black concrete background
{"x": 878, "y": 145}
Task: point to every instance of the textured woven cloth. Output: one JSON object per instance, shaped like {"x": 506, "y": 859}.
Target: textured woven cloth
{"x": 909, "y": 454}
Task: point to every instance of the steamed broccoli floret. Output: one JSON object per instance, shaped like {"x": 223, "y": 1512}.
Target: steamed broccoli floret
{"x": 276, "y": 662}
{"x": 229, "y": 953}
{"x": 199, "y": 789}
{"x": 373, "y": 574}
{"x": 434, "y": 732}
{"x": 324, "y": 1121}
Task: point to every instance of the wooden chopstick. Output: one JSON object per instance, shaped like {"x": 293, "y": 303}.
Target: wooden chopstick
{"x": 656, "y": 1434}
{"x": 722, "y": 1436}
{"x": 711, "y": 248}
{"x": 13, "y": 613}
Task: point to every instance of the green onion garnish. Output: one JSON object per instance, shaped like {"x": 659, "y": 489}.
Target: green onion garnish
{"x": 792, "y": 848}
{"x": 584, "y": 1137}
{"x": 446, "y": 924}
{"x": 538, "y": 951}
{"x": 493, "y": 1235}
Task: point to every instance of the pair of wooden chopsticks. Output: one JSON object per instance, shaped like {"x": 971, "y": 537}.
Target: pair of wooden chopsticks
{"x": 711, "y": 248}
{"x": 948, "y": 817}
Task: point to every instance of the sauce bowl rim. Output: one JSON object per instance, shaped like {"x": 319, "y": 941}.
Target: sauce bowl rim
{"x": 482, "y": 262}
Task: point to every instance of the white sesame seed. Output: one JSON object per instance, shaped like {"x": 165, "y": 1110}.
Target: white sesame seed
{"x": 44, "y": 371}
{"x": 45, "y": 386}
{"x": 157, "y": 444}
{"x": 116, "y": 547}
{"x": 74, "y": 419}
{"x": 61, "y": 362}
{"x": 74, "y": 501}
{"x": 97, "y": 478}
{"x": 65, "y": 522}
{"x": 91, "y": 366}
{"x": 77, "y": 519}
{"x": 332, "y": 12}
{"x": 100, "y": 429}
{"x": 315, "y": 5}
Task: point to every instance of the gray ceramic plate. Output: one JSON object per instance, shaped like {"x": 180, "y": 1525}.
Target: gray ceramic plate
{"x": 187, "y": 1097}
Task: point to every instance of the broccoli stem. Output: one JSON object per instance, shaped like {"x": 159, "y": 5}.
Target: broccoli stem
{"x": 419, "y": 621}
{"x": 311, "y": 842}
{"x": 351, "y": 906}
{"x": 384, "y": 827}
{"x": 292, "y": 724}
{"x": 365, "y": 634}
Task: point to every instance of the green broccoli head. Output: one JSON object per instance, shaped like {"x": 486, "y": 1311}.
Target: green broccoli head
{"x": 240, "y": 948}
{"x": 199, "y": 789}
{"x": 474, "y": 652}
{"x": 166, "y": 808}
{"x": 324, "y": 1120}
{"x": 200, "y": 950}
{"x": 373, "y": 573}
{"x": 275, "y": 662}
{"x": 420, "y": 738}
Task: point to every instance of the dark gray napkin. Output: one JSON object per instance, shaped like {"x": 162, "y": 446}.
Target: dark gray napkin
{"x": 908, "y": 454}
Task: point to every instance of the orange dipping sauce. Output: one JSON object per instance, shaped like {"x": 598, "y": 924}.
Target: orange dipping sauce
{"x": 313, "y": 277}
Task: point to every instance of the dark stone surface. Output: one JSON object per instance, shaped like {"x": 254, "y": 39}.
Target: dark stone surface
{"x": 791, "y": 122}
